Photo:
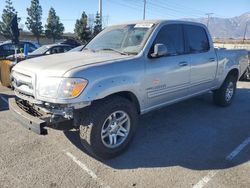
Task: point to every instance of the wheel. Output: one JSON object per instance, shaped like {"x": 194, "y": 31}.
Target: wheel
{"x": 108, "y": 127}
{"x": 225, "y": 94}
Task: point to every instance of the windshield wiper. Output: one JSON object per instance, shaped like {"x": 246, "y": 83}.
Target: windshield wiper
{"x": 114, "y": 50}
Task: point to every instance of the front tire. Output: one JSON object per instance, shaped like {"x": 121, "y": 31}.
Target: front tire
{"x": 108, "y": 127}
{"x": 225, "y": 94}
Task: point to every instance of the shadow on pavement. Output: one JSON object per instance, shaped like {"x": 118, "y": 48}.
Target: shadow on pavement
{"x": 194, "y": 134}
{"x": 4, "y": 101}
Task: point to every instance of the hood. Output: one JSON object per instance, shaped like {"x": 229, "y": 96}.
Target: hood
{"x": 58, "y": 65}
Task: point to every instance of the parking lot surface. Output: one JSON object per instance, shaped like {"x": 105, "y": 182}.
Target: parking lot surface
{"x": 190, "y": 144}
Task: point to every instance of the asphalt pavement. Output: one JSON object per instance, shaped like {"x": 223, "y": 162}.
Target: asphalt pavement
{"x": 190, "y": 144}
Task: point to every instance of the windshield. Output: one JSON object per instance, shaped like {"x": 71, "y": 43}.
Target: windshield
{"x": 126, "y": 39}
{"x": 40, "y": 50}
{"x": 77, "y": 49}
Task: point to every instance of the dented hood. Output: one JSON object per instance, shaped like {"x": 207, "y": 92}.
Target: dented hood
{"x": 58, "y": 65}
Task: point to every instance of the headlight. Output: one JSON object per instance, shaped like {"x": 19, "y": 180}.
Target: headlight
{"x": 62, "y": 88}
{"x": 71, "y": 87}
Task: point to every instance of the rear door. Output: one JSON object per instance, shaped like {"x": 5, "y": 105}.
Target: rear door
{"x": 203, "y": 60}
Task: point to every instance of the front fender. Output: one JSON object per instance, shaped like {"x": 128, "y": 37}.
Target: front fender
{"x": 109, "y": 86}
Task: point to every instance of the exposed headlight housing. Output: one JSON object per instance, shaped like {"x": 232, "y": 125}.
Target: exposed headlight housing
{"x": 61, "y": 88}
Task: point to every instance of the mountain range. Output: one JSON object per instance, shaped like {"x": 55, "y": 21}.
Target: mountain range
{"x": 227, "y": 27}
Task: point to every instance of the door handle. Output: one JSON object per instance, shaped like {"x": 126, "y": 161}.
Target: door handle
{"x": 211, "y": 59}
{"x": 183, "y": 64}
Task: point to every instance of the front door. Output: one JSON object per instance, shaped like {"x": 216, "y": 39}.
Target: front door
{"x": 167, "y": 78}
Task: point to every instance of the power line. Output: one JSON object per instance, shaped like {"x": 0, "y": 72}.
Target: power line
{"x": 173, "y": 10}
{"x": 181, "y": 6}
{"x": 171, "y": 13}
{"x": 135, "y": 7}
{"x": 151, "y": 8}
{"x": 125, "y": 5}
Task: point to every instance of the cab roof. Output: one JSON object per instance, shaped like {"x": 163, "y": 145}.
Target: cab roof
{"x": 158, "y": 21}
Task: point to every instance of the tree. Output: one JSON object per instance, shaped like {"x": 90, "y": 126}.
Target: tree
{"x": 54, "y": 28}
{"x": 82, "y": 30}
{"x": 8, "y": 13}
{"x": 34, "y": 23}
{"x": 98, "y": 24}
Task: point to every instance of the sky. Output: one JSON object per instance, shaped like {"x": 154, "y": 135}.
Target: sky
{"x": 115, "y": 11}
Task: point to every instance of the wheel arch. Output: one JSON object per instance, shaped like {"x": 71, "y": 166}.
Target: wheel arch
{"x": 130, "y": 96}
{"x": 233, "y": 72}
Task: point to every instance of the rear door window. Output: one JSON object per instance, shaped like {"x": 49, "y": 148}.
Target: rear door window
{"x": 66, "y": 48}
{"x": 20, "y": 47}
{"x": 55, "y": 50}
{"x": 31, "y": 48}
{"x": 197, "y": 40}
{"x": 8, "y": 47}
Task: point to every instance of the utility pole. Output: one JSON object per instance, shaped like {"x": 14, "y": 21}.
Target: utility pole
{"x": 208, "y": 18}
{"x": 100, "y": 10}
{"x": 144, "y": 9}
{"x": 245, "y": 32}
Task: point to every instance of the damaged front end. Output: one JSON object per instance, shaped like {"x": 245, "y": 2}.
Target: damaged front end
{"x": 34, "y": 113}
{"x": 35, "y": 117}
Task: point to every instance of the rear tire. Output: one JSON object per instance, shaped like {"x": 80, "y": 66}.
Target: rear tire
{"x": 225, "y": 94}
{"x": 108, "y": 127}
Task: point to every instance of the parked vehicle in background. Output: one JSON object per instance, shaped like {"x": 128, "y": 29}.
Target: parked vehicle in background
{"x": 8, "y": 48}
{"x": 71, "y": 42}
{"x": 246, "y": 75}
{"x": 126, "y": 70}
{"x": 42, "y": 51}
{"x": 77, "y": 49}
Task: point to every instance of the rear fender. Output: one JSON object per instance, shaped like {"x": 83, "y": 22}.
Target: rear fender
{"x": 226, "y": 68}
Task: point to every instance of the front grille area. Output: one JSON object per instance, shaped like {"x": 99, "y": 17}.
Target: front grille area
{"x": 22, "y": 83}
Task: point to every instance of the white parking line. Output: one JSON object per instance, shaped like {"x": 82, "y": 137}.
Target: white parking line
{"x": 5, "y": 100}
{"x": 237, "y": 150}
{"x": 229, "y": 157}
{"x": 86, "y": 169}
{"x": 205, "y": 179}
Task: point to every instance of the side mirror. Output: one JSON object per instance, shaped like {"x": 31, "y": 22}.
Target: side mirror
{"x": 160, "y": 50}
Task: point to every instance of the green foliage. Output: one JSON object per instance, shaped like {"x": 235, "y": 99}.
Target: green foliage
{"x": 54, "y": 28}
{"x": 7, "y": 15}
{"x": 34, "y": 19}
{"x": 82, "y": 31}
{"x": 98, "y": 24}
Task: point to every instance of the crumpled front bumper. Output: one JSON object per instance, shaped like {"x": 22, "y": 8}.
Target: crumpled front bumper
{"x": 28, "y": 121}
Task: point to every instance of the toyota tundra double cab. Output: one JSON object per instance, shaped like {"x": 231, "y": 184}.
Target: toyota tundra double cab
{"x": 127, "y": 70}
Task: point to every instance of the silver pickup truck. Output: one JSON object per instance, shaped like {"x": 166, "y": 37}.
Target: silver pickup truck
{"x": 127, "y": 70}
